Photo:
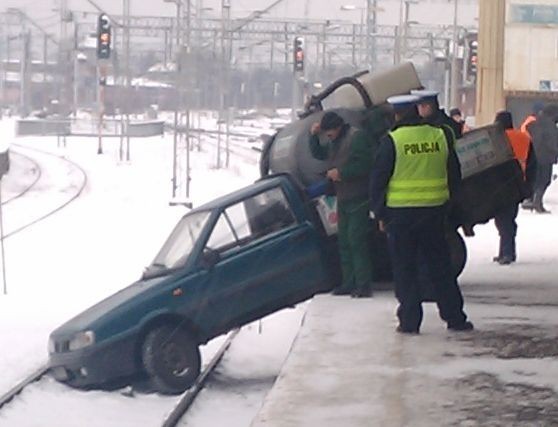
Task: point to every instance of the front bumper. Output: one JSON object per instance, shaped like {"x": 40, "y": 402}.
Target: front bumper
{"x": 95, "y": 365}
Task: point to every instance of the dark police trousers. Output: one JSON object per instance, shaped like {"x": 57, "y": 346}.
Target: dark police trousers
{"x": 507, "y": 229}
{"x": 422, "y": 230}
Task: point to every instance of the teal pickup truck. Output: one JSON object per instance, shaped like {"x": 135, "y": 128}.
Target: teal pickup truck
{"x": 225, "y": 264}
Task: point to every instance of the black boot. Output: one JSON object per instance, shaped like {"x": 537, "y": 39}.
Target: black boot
{"x": 342, "y": 290}
{"x": 528, "y": 204}
{"x": 464, "y": 326}
{"x": 505, "y": 260}
{"x": 538, "y": 203}
{"x": 362, "y": 292}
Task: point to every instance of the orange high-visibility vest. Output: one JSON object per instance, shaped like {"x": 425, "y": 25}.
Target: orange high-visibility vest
{"x": 528, "y": 120}
{"x": 520, "y": 143}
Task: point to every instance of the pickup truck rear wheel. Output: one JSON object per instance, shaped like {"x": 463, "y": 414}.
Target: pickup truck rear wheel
{"x": 171, "y": 358}
{"x": 458, "y": 251}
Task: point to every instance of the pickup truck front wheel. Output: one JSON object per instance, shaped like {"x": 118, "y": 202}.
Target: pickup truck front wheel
{"x": 171, "y": 358}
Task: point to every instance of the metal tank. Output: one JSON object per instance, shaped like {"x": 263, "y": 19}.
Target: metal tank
{"x": 360, "y": 100}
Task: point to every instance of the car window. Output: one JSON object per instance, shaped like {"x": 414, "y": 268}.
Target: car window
{"x": 268, "y": 212}
{"x": 251, "y": 219}
{"x": 181, "y": 241}
{"x": 222, "y": 235}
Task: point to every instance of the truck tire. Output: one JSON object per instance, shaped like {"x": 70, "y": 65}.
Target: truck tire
{"x": 458, "y": 251}
{"x": 171, "y": 358}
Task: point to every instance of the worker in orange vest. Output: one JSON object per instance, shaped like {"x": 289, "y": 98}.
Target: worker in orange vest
{"x": 537, "y": 108}
{"x": 505, "y": 219}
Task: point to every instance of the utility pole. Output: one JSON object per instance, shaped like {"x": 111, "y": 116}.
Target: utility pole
{"x": 24, "y": 66}
{"x": 454, "y": 101}
{"x": 2, "y": 72}
{"x": 181, "y": 136}
{"x": 178, "y": 87}
{"x": 371, "y": 28}
{"x": 405, "y": 29}
{"x": 225, "y": 19}
{"x": 187, "y": 51}
{"x": 368, "y": 25}
{"x": 75, "y": 53}
{"x": 62, "y": 55}
{"x": 45, "y": 66}
{"x": 126, "y": 10}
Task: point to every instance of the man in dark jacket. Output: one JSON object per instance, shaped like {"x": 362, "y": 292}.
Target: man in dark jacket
{"x": 505, "y": 219}
{"x": 429, "y": 109}
{"x": 414, "y": 174}
{"x": 544, "y": 137}
{"x": 350, "y": 158}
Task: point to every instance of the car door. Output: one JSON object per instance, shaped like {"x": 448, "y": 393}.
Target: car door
{"x": 267, "y": 259}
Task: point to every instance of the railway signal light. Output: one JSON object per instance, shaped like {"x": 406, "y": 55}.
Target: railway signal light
{"x": 472, "y": 64}
{"x": 103, "y": 37}
{"x": 298, "y": 54}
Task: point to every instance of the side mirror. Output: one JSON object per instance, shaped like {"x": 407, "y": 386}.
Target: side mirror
{"x": 209, "y": 258}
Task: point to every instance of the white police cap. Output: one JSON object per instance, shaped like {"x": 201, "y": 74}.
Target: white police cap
{"x": 425, "y": 94}
{"x": 403, "y": 101}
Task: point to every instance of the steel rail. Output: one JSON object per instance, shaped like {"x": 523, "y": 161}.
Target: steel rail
{"x": 18, "y": 388}
{"x": 60, "y": 207}
{"x": 190, "y": 395}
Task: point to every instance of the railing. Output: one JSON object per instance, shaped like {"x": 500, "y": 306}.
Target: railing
{"x": 88, "y": 127}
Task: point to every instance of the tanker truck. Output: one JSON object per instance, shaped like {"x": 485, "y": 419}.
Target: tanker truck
{"x": 492, "y": 178}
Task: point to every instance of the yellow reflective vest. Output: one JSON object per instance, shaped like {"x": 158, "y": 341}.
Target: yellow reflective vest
{"x": 420, "y": 175}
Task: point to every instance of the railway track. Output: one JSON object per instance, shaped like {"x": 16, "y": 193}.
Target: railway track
{"x": 42, "y": 370}
{"x": 190, "y": 395}
{"x": 79, "y": 188}
{"x": 180, "y": 407}
{"x": 18, "y": 388}
{"x": 241, "y": 150}
{"x": 27, "y": 187}
{"x": 34, "y": 379}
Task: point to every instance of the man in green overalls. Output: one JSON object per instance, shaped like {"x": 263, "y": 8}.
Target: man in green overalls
{"x": 350, "y": 157}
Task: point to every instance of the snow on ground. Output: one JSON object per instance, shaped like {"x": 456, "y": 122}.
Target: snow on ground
{"x": 350, "y": 368}
{"x": 247, "y": 372}
{"x": 100, "y": 244}
{"x": 90, "y": 250}
{"x": 96, "y": 246}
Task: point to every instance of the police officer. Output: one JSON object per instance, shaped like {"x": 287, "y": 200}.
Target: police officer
{"x": 415, "y": 172}
{"x": 429, "y": 109}
{"x": 349, "y": 155}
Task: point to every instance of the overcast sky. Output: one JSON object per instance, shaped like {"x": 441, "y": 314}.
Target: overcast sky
{"x": 424, "y": 11}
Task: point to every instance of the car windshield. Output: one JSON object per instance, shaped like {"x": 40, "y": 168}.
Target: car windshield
{"x": 181, "y": 241}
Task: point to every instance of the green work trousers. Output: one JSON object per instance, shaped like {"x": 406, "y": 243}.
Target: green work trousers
{"x": 354, "y": 248}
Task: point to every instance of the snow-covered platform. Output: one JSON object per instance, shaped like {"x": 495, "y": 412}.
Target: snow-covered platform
{"x": 348, "y": 366}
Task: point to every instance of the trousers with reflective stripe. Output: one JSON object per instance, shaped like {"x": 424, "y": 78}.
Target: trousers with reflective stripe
{"x": 420, "y": 176}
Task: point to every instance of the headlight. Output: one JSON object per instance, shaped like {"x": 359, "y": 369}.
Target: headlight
{"x": 82, "y": 340}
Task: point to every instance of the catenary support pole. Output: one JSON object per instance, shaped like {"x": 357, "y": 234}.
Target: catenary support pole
{"x": 4, "y": 282}
{"x": 455, "y": 81}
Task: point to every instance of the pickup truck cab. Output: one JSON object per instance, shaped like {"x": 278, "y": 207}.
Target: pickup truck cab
{"x": 225, "y": 264}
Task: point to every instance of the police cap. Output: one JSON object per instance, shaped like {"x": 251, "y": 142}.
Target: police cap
{"x": 426, "y": 95}
{"x": 402, "y": 102}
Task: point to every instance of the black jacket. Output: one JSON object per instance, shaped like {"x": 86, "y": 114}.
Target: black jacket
{"x": 440, "y": 118}
{"x": 544, "y": 136}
